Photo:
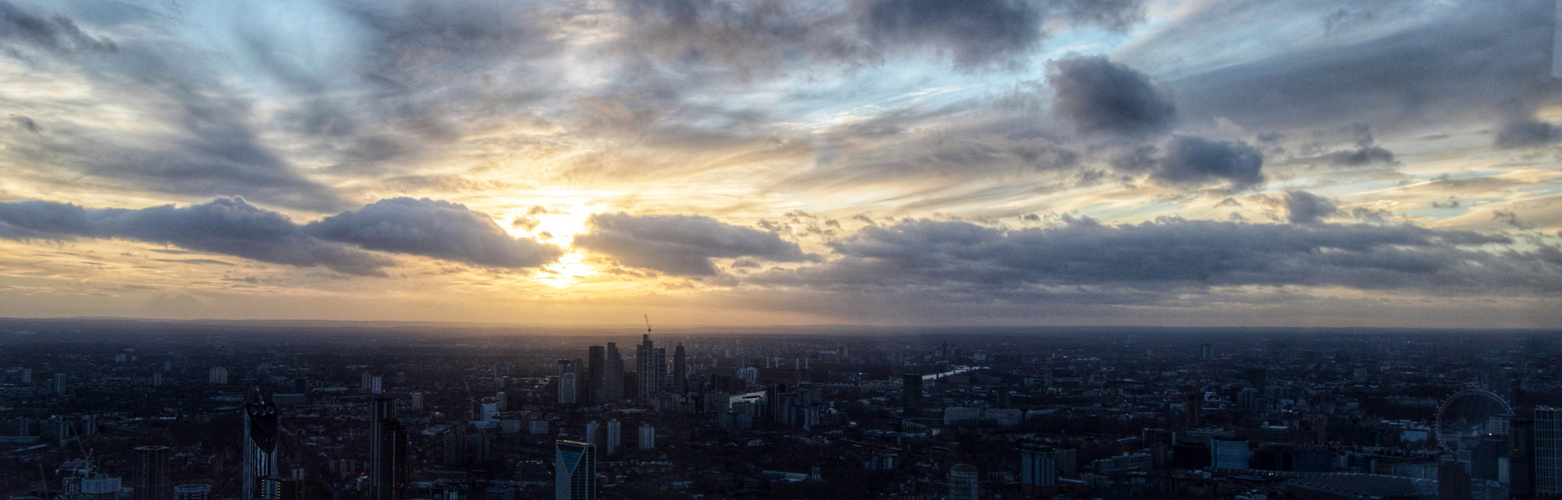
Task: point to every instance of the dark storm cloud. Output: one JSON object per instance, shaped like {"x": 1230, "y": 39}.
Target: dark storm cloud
{"x": 682, "y": 244}
{"x": 437, "y": 229}
{"x": 1191, "y": 161}
{"x": 232, "y": 226}
{"x": 1171, "y": 255}
{"x": 1098, "y": 95}
{"x": 1302, "y": 207}
{"x": 1520, "y": 129}
{"x": 1453, "y": 67}
{"x": 54, "y": 33}
{"x": 225, "y": 225}
{"x": 978, "y": 32}
{"x": 757, "y": 38}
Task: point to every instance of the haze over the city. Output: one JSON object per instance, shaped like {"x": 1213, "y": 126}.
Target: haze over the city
{"x": 711, "y": 162}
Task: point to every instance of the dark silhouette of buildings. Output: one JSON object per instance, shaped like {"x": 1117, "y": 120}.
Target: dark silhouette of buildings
{"x": 151, "y": 474}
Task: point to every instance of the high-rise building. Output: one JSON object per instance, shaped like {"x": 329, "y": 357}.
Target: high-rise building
{"x": 613, "y": 380}
{"x": 27, "y": 375}
{"x": 680, "y": 370}
{"x": 501, "y": 401}
{"x": 647, "y": 369}
{"x": 964, "y": 483}
{"x": 1521, "y": 458}
{"x": 1548, "y": 451}
{"x": 574, "y": 471}
{"x": 382, "y": 411}
{"x": 1038, "y": 469}
{"x": 192, "y": 492}
{"x": 911, "y": 393}
{"x": 59, "y": 382}
{"x": 1206, "y": 352}
{"x": 1227, "y": 453}
{"x": 615, "y": 434}
{"x": 596, "y": 371}
{"x": 217, "y": 375}
{"x": 647, "y": 436}
{"x": 376, "y": 385}
{"x": 567, "y": 388}
{"x": 260, "y": 443}
{"x": 593, "y": 429}
{"x": 1452, "y": 480}
{"x": 364, "y": 381}
{"x": 393, "y": 472}
{"x": 157, "y": 380}
{"x": 417, "y": 401}
{"x": 151, "y": 473}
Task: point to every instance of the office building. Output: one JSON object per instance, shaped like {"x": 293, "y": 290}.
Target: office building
{"x": 594, "y": 429}
{"x": 1226, "y": 453}
{"x": 260, "y": 443}
{"x": 680, "y": 370}
{"x": 1548, "y": 451}
{"x": 1038, "y": 469}
{"x": 615, "y": 433}
{"x": 647, "y": 436}
{"x": 964, "y": 483}
{"x": 150, "y": 477}
{"x": 574, "y": 471}
{"x": 1521, "y": 458}
{"x": 613, "y": 380}
{"x": 911, "y": 393}
{"x": 192, "y": 492}
{"x": 217, "y": 375}
{"x": 596, "y": 372}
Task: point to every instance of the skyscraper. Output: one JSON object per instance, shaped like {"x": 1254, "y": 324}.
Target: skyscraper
{"x": 574, "y": 471}
{"x": 382, "y": 411}
{"x": 964, "y": 482}
{"x": 393, "y": 473}
{"x": 680, "y": 370}
{"x": 615, "y": 433}
{"x": 911, "y": 393}
{"x": 596, "y": 370}
{"x": 1228, "y": 453}
{"x": 151, "y": 474}
{"x": 613, "y": 381}
{"x": 645, "y": 367}
{"x": 1548, "y": 451}
{"x": 1038, "y": 469}
{"x": 260, "y": 442}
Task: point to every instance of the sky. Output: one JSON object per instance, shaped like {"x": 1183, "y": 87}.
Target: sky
{"x": 1243, "y": 163}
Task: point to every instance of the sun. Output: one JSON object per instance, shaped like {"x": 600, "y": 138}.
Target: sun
{"x": 558, "y": 226}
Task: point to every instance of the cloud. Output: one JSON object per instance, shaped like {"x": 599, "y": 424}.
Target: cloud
{"x": 1302, "y": 207}
{"x": 1367, "y": 151}
{"x": 1156, "y": 261}
{"x": 53, "y": 33}
{"x": 1520, "y": 129}
{"x": 1192, "y": 161}
{"x": 1098, "y": 95}
{"x": 227, "y": 226}
{"x": 976, "y": 33}
{"x": 232, "y": 226}
{"x": 437, "y": 229}
{"x": 1423, "y": 65}
{"x": 681, "y": 244}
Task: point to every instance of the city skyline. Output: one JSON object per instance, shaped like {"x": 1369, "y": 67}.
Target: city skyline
{"x": 872, "y": 162}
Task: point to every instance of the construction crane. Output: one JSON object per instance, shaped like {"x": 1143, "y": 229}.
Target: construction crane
{"x": 647, "y": 323}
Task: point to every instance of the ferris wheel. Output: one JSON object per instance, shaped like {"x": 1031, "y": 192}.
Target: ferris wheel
{"x": 1443, "y": 413}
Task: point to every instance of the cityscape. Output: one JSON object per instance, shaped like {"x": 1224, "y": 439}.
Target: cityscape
{"x": 107, "y": 410}
{"x": 780, "y": 249}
